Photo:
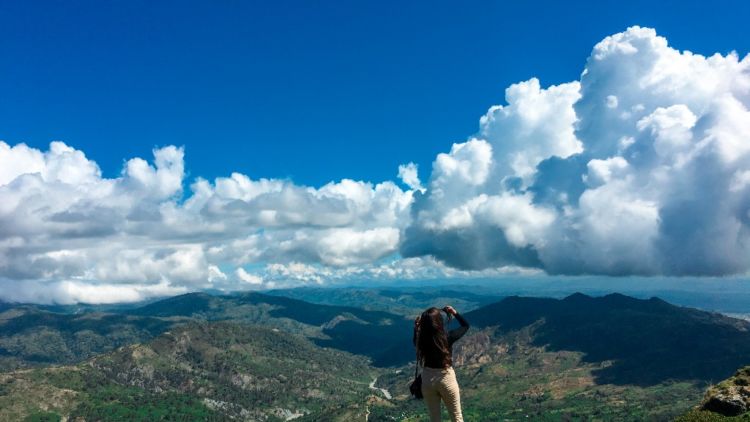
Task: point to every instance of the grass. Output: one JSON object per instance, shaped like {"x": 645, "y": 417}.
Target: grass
{"x": 705, "y": 416}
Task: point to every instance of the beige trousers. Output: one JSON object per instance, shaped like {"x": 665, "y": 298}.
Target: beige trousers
{"x": 440, "y": 384}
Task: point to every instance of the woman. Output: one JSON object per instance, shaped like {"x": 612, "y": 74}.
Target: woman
{"x": 435, "y": 354}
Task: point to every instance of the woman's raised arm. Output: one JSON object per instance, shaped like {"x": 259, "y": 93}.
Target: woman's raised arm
{"x": 457, "y": 333}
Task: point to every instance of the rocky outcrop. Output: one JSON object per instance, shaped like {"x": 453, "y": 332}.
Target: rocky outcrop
{"x": 730, "y": 397}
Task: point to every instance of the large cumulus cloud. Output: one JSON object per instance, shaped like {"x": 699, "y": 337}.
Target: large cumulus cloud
{"x": 641, "y": 167}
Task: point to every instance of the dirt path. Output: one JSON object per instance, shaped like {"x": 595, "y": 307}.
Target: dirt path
{"x": 382, "y": 390}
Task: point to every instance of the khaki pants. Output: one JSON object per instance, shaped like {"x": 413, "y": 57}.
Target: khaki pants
{"x": 440, "y": 384}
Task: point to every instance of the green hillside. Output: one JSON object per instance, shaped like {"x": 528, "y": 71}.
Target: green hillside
{"x": 30, "y": 336}
{"x": 405, "y": 301}
{"x": 199, "y": 371}
{"x": 647, "y": 341}
{"x": 578, "y": 358}
{"x": 584, "y": 358}
{"x": 376, "y": 334}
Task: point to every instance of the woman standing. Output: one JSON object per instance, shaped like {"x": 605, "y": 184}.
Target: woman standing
{"x": 435, "y": 354}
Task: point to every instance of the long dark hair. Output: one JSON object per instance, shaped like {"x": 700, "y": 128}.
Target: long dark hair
{"x": 432, "y": 341}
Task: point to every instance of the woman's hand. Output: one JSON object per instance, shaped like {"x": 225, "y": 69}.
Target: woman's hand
{"x": 449, "y": 309}
{"x": 416, "y": 321}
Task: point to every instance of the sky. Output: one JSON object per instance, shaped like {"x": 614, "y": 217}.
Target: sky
{"x": 152, "y": 149}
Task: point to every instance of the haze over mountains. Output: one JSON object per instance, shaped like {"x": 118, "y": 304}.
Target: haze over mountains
{"x": 255, "y": 356}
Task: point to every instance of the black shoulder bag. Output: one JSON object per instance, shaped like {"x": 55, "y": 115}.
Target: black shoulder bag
{"x": 416, "y": 386}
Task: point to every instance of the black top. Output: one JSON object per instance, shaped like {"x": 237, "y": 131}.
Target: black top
{"x": 453, "y": 335}
{"x": 457, "y": 333}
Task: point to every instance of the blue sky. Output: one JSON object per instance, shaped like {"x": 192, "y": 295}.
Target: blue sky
{"x": 155, "y": 148}
{"x": 314, "y": 91}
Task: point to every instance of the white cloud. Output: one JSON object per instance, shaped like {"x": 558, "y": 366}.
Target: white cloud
{"x": 215, "y": 274}
{"x": 638, "y": 168}
{"x": 77, "y": 291}
{"x": 409, "y": 175}
{"x": 536, "y": 124}
{"x": 65, "y": 228}
{"x": 296, "y": 273}
{"x": 246, "y": 277}
{"x": 162, "y": 180}
{"x": 346, "y": 246}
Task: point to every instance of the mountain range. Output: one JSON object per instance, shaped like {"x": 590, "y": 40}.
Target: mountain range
{"x": 257, "y": 356}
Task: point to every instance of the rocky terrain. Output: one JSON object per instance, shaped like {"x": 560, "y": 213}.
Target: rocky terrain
{"x": 726, "y": 401}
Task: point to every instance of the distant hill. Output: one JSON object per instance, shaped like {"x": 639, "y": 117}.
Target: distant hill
{"x": 200, "y": 371}
{"x": 376, "y": 334}
{"x": 30, "y": 336}
{"x": 648, "y": 341}
{"x": 405, "y": 300}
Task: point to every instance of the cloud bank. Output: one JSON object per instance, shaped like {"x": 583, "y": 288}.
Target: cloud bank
{"x": 642, "y": 167}
{"x": 64, "y": 228}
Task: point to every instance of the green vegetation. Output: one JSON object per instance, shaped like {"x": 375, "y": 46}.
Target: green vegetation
{"x": 273, "y": 358}
{"x": 201, "y": 371}
{"x": 376, "y": 334}
{"x": 116, "y": 403}
{"x": 728, "y": 400}
{"x": 706, "y": 416}
{"x": 648, "y": 342}
{"x": 508, "y": 378}
{"x": 32, "y": 337}
{"x": 404, "y": 301}
{"x": 43, "y": 417}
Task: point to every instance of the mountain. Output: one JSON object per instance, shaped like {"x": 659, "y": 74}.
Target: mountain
{"x": 585, "y": 358}
{"x": 403, "y": 300}
{"x": 200, "y": 371}
{"x": 376, "y": 334}
{"x": 578, "y": 358}
{"x": 648, "y": 341}
{"x": 30, "y": 336}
